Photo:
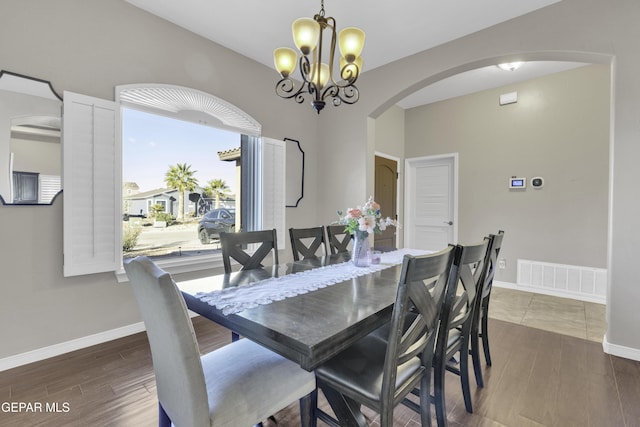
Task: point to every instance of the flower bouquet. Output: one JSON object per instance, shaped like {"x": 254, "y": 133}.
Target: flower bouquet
{"x": 360, "y": 222}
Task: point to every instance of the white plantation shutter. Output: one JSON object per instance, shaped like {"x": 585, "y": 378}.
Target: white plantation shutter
{"x": 273, "y": 187}
{"x": 49, "y": 186}
{"x": 91, "y": 183}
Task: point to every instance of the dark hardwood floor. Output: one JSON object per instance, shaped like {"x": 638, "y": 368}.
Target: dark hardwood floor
{"x": 538, "y": 378}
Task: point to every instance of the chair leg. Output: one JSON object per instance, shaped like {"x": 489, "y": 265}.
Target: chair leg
{"x": 163, "y": 418}
{"x": 475, "y": 350}
{"x": 308, "y": 405}
{"x": 485, "y": 330}
{"x": 475, "y": 355}
{"x": 438, "y": 392}
{"x": 464, "y": 377}
{"x": 425, "y": 399}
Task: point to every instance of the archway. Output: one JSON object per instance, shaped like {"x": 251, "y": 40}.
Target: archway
{"x": 606, "y": 60}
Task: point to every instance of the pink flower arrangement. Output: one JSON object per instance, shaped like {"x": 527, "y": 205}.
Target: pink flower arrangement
{"x": 365, "y": 219}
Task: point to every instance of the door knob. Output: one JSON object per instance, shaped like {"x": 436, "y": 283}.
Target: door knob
{"x": 448, "y": 222}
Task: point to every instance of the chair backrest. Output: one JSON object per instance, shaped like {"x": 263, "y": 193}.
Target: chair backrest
{"x": 233, "y": 246}
{"x": 492, "y": 261}
{"x": 459, "y": 304}
{"x": 416, "y": 313}
{"x": 338, "y": 238}
{"x": 174, "y": 349}
{"x": 307, "y": 242}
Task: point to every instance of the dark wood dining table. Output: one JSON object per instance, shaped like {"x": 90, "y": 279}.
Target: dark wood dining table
{"x": 308, "y": 328}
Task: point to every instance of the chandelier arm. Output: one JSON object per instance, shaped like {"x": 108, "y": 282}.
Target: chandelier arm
{"x": 349, "y": 74}
{"x": 331, "y": 23}
{"x": 347, "y": 94}
{"x": 285, "y": 88}
{"x": 305, "y": 69}
{"x": 329, "y": 91}
{"x": 351, "y": 95}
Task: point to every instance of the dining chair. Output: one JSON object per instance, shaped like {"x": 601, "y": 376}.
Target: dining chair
{"x": 307, "y": 242}
{"x": 338, "y": 239}
{"x": 480, "y": 327}
{"x": 233, "y": 245}
{"x": 452, "y": 347}
{"x": 239, "y": 384}
{"x": 380, "y": 373}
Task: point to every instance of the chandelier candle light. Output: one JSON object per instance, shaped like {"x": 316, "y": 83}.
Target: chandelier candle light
{"x": 318, "y": 76}
{"x": 360, "y": 222}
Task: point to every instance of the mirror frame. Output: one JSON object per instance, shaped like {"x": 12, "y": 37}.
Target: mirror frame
{"x": 291, "y": 142}
{"x": 36, "y": 87}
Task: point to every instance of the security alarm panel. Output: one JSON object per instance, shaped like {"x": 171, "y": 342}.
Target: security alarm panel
{"x": 517, "y": 182}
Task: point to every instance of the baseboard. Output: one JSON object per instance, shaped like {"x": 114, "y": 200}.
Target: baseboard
{"x": 551, "y": 292}
{"x": 73, "y": 345}
{"x": 620, "y": 351}
{"x": 68, "y": 346}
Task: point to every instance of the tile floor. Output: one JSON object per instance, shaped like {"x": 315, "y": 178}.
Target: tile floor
{"x": 561, "y": 315}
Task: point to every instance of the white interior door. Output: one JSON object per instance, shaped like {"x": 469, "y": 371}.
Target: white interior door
{"x": 431, "y": 202}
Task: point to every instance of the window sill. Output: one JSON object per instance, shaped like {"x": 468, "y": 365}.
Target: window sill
{"x": 178, "y": 265}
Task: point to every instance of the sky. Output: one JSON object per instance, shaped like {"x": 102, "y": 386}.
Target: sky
{"x": 152, "y": 143}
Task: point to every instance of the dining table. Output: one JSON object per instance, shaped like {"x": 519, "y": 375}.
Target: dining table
{"x": 311, "y": 324}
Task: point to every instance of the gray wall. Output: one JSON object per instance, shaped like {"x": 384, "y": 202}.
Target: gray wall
{"x": 90, "y": 46}
{"x": 594, "y": 31}
{"x": 388, "y": 132}
{"x": 558, "y": 129}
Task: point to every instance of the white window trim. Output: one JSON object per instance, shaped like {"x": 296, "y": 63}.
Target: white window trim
{"x": 226, "y": 114}
{"x": 180, "y": 102}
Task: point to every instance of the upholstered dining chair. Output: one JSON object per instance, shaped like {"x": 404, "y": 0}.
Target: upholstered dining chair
{"x": 233, "y": 245}
{"x": 307, "y": 242}
{"x": 338, "y": 239}
{"x": 452, "y": 348}
{"x": 379, "y": 373}
{"x": 240, "y": 384}
{"x": 480, "y": 327}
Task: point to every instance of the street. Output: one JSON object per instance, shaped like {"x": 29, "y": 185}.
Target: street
{"x": 179, "y": 239}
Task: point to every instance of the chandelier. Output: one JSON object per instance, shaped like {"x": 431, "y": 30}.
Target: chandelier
{"x": 317, "y": 75}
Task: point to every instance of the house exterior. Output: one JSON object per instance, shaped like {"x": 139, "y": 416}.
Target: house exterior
{"x": 340, "y": 145}
{"x": 140, "y": 204}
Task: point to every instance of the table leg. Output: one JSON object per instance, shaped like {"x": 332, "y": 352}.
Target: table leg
{"x": 346, "y": 410}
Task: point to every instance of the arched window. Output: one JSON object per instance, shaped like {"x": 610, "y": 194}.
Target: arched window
{"x": 257, "y": 158}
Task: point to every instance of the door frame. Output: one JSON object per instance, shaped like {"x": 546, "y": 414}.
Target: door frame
{"x": 399, "y": 194}
{"x": 410, "y": 165}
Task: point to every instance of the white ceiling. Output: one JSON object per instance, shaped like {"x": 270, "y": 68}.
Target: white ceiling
{"x": 254, "y": 28}
{"x": 482, "y": 79}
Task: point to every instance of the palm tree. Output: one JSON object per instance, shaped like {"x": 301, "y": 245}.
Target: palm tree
{"x": 217, "y": 188}
{"x": 181, "y": 178}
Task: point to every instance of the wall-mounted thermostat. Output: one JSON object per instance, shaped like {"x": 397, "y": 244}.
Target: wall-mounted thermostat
{"x": 537, "y": 182}
{"x": 517, "y": 182}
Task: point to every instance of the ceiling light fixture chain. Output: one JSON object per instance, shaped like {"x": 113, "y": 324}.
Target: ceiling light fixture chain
{"x": 317, "y": 76}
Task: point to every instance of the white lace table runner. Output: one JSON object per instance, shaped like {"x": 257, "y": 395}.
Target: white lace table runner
{"x": 234, "y": 300}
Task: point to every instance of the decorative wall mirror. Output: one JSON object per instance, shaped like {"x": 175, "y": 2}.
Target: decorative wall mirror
{"x": 30, "y": 145}
{"x": 295, "y": 173}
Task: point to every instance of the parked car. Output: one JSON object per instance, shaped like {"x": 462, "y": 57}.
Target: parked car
{"x": 215, "y": 221}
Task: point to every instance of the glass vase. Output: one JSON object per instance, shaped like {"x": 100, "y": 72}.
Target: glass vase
{"x": 361, "y": 252}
